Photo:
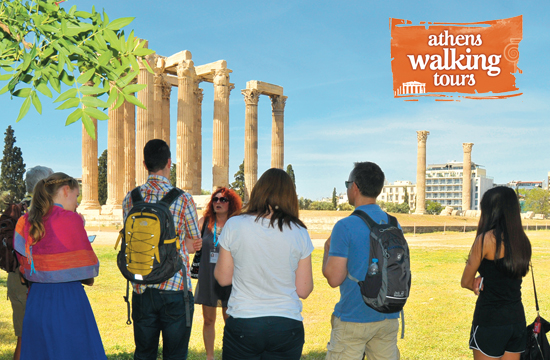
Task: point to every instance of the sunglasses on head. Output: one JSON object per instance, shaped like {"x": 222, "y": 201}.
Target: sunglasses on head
{"x": 222, "y": 199}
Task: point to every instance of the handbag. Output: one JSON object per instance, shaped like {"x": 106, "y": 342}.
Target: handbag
{"x": 538, "y": 347}
{"x": 195, "y": 265}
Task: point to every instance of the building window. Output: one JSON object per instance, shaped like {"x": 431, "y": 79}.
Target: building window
{"x": 476, "y": 196}
{"x": 428, "y": 181}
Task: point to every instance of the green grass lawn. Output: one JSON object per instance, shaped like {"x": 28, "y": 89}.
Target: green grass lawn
{"x": 437, "y": 316}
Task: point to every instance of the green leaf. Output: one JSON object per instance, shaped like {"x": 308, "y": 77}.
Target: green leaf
{"x": 72, "y": 11}
{"x": 146, "y": 63}
{"x": 54, "y": 82}
{"x": 120, "y": 23}
{"x": 24, "y": 93}
{"x": 88, "y": 125}
{"x": 44, "y": 89}
{"x": 74, "y": 116}
{"x": 143, "y": 52}
{"x": 119, "y": 101}
{"x": 75, "y": 29}
{"x": 113, "y": 95}
{"x": 71, "y": 103}
{"x": 96, "y": 114}
{"x": 71, "y": 93}
{"x": 4, "y": 90}
{"x": 5, "y": 77}
{"x": 133, "y": 88}
{"x": 66, "y": 78}
{"x": 36, "y": 102}
{"x": 24, "y": 109}
{"x": 104, "y": 57}
{"x": 83, "y": 14}
{"x": 101, "y": 41}
{"x": 111, "y": 37}
{"x": 87, "y": 75}
{"x": 60, "y": 62}
{"x": 92, "y": 101}
{"x": 123, "y": 82}
{"x": 133, "y": 100}
{"x": 133, "y": 62}
{"x": 48, "y": 28}
{"x": 91, "y": 90}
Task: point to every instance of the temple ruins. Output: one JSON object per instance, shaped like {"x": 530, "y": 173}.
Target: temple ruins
{"x": 130, "y": 128}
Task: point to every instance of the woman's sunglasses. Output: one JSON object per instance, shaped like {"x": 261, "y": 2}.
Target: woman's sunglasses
{"x": 220, "y": 199}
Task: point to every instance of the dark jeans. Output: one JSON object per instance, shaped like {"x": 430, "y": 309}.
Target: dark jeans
{"x": 269, "y": 337}
{"x": 155, "y": 311}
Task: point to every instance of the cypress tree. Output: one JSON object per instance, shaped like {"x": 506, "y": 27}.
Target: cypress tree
{"x": 102, "y": 178}
{"x": 238, "y": 184}
{"x": 13, "y": 168}
{"x": 290, "y": 173}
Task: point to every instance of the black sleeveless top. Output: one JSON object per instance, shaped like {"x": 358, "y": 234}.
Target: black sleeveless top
{"x": 500, "y": 301}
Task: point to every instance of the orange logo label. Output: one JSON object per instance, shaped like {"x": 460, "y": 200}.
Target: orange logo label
{"x": 451, "y": 61}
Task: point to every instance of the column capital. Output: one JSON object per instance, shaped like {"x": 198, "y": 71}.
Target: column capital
{"x": 221, "y": 77}
{"x": 422, "y": 135}
{"x": 251, "y": 96}
{"x": 278, "y": 102}
{"x": 186, "y": 69}
{"x": 467, "y": 147}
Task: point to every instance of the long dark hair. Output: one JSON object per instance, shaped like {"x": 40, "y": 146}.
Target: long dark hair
{"x": 275, "y": 192}
{"x": 234, "y": 208}
{"x": 42, "y": 201}
{"x": 500, "y": 212}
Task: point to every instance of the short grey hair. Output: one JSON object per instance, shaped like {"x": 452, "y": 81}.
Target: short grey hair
{"x": 34, "y": 175}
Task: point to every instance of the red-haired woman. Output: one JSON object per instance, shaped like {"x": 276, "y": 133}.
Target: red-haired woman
{"x": 224, "y": 204}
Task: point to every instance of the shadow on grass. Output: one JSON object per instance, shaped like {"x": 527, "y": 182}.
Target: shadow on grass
{"x": 196, "y": 355}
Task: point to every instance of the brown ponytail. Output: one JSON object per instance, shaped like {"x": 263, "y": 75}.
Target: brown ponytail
{"x": 42, "y": 201}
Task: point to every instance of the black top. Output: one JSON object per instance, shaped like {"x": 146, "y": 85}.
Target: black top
{"x": 500, "y": 301}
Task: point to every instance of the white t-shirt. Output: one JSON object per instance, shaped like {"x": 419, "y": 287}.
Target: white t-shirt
{"x": 265, "y": 262}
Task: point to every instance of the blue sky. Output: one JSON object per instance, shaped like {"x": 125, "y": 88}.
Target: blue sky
{"x": 333, "y": 60}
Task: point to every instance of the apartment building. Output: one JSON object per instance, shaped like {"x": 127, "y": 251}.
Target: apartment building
{"x": 444, "y": 184}
{"x": 395, "y": 193}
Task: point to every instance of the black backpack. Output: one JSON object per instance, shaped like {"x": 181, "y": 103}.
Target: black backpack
{"x": 387, "y": 290}
{"x": 8, "y": 220}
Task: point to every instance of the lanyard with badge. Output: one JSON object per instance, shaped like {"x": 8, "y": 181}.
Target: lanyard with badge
{"x": 216, "y": 250}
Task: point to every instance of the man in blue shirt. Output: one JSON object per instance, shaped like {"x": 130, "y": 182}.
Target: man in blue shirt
{"x": 356, "y": 328}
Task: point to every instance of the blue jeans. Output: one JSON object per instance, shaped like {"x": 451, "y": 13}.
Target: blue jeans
{"x": 155, "y": 311}
{"x": 265, "y": 338}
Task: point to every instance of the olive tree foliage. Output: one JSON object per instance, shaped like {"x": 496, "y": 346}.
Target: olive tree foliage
{"x": 43, "y": 45}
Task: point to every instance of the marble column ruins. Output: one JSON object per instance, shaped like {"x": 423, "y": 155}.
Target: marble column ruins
{"x": 422, "y": 136}
{"x": 130, "y": 128}
{"x": 467, "y": 176}
{"x": 251, "y": 94}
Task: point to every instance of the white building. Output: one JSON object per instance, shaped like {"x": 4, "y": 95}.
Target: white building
{"x": 395, "y": 193}
{"x": 444, "y": 184}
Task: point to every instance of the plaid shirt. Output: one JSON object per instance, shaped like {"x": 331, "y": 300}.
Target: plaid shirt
{"x": 185, "y": 219}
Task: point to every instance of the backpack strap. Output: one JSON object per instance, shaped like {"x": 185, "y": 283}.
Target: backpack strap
{"x": 136, "y": 195}
{"x": 366, "y": 218}
{"x": 171, "y": 196}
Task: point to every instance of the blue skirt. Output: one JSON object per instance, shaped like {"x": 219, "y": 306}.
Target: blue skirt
{"x": 59, "y": 324}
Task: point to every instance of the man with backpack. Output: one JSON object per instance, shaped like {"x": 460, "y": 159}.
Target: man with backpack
{"x": 17, "y": 292}
{"x": 167, "y": 306}
{"x": 357, "y": 329}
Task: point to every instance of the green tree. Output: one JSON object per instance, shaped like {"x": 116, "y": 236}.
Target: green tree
{"x": 334, "y": 199}
{"x": 538, "y": 201}
{"x": 205, "y": 192}
{"x": 64, "y": 43}
{"x": 102, "y": 178}
{"x": 238, "y": 184}
{"x": 13, "y": 167}
{"x": 321, "y": 205}
{"x": 290, "y": 173}
{"x": 346, "y": 207}
{"x": 304, "y": 203}
{"x": 173, "y": 175}
{"x": 433, "y": 207}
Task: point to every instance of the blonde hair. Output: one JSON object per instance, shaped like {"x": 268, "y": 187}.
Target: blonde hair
{"x": 42, "y": 201}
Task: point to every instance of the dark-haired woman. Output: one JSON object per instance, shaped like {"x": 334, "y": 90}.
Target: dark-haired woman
{"x": 501, "y": 254}
{"x": 223, "y": 204}
{"x": 266, "y": 254}
{"x": 57, "y": 259}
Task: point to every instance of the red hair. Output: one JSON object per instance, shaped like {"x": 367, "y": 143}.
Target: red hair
{"x": 235, "y": 205}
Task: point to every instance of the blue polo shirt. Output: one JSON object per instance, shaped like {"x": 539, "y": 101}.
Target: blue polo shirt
{"x": 350, "y": 239}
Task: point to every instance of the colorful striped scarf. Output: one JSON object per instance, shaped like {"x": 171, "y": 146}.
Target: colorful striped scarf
{"x": 64, "y": 253}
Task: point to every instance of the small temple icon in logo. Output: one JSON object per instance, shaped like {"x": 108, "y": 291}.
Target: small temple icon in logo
{"x": 411, "y": 87}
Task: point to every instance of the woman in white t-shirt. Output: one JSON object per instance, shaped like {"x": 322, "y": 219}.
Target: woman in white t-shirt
{"x": 266, "y": 255}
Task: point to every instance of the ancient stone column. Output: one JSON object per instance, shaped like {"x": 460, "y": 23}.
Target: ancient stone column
{"x": 144, "y": 121}
{"x": 166, "y": 91}
{"x": 278, "y": 131}
{"x": 220, "y": 136}
{"x": 251, "y": 98}
{"x": 129, "y": 129}
{"x": 467, "y": 176}
{"x": 420, "y": 209}
{"x": 115, "y": 162}
{"x": 186, "y": 78}
{"x": 89, "y": 202}
{"x": 197, "y": 141}
{"x": 158, "y": 68}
